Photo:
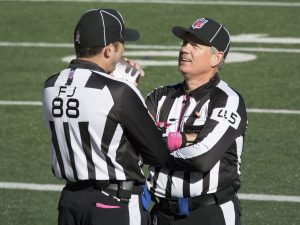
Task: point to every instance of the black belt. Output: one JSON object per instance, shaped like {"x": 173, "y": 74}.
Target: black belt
{"x": 171, "y": 205}
{"x": 122, "y": 189}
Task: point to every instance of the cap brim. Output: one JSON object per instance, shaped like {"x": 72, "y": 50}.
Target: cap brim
{"x": 130, "y": 35}
{"x": 181, "y": 33}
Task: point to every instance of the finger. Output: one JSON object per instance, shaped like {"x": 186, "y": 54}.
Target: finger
{"x": 197, "y": 114}
{"x": 130, "y": 62}
{"x": 126, "y": 59}
{"x": 136, "y": 66}
{"x": 142, "y": 73}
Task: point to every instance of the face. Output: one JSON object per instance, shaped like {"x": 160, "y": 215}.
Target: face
{"x": 117, "y": 53}
{"x": 195, "y": 58}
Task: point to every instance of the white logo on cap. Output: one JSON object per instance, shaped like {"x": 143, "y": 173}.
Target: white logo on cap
{"x": 199, "y": 23}
{"x": 77, "y": 37}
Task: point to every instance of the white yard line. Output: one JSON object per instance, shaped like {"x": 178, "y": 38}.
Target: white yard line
{"x": 31, "y": 103}
{"x": 144, "y": 47}
{"x": 35, "y": 44}
{"x": 253, "y": 110}
{"x": 57, "y": 187}
{"x": 276, "y": 111}
{"x": 31, "y": 186}
{"x": 181, "y": 2}
{"x": 277, "y": 198}
{"x": 278, "y": 50}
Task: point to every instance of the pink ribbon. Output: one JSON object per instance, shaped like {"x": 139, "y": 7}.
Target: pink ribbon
{"x": 103, "y": 206}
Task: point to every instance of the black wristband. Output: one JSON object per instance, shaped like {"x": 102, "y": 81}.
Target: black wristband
{"x": 183, "y": 140}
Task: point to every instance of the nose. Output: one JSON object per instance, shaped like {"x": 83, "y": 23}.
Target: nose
{"x": 184, "y": 47}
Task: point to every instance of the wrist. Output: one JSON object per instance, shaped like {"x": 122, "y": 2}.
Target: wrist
{"x": 184, "y": 140}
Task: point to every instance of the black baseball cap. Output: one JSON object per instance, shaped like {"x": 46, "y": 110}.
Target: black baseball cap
{"x": 100, "y": 27}
{"x": 207, "y": 31}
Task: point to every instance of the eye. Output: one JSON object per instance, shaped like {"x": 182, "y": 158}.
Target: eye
{"x": 195, "y": 45}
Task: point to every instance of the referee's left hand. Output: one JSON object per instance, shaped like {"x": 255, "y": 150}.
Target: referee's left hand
{"x": 138, "y": 67}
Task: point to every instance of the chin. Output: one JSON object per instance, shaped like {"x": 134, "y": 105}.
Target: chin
{"x": 182, "y": 69}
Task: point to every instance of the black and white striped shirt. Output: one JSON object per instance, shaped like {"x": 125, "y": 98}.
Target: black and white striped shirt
{"x": 99, "y": 126}
{"x": 218, "y": 114}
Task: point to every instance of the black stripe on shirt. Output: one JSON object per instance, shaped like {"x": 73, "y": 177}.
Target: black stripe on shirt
{"x": 109, "y": 131}
{"x": 185, "y": 105}
{"x": 51, "y": 81}
{"x": 57, "y": 150}
{"x": 166, "y": 108}
{"x": 169, "y": 184}
{"x": 71, "y": 153}
{"x": 186, "y": 185}
{"x": 197, "y": 108}
{"x": 96, "y": 81}
{"x": 154, "y": 179}
{"x": 86, "y": 146}
{"x": 206, "y": 179}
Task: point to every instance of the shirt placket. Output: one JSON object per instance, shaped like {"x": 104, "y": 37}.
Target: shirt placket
{"x": 184, "y": 106}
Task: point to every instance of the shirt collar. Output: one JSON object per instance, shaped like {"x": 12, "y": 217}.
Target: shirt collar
{"x": 82, "y": 64}
{"x": 200, "y": 91}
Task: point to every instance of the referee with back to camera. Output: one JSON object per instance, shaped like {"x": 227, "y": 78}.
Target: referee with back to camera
{"x": 100, "y": 128}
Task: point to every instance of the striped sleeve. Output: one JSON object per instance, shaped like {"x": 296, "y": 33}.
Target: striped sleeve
{"x": 141, "y": 129}
{"x": 154, "y": 101}
{"x": 227, "y": 121}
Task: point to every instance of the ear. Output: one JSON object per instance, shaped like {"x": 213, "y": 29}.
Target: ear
{"x": 216, "y": 58}
{"x": 108, "y": 50}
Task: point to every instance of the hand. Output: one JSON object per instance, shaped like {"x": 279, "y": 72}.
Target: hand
{"x": 175, "y": 140}
{"x": 137, "y": 66}
{"x": 190, "y": 138}
{"x": 129, "y": 71}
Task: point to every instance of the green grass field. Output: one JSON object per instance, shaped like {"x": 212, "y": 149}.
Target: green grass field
{"x": 272, "y": 149}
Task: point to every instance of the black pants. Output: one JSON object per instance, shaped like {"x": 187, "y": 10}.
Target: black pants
{"x": 89, "y": 206}
{"x": 227, "y": 213}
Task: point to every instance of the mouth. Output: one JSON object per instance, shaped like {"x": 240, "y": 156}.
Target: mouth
{"x": 184, "y": 60}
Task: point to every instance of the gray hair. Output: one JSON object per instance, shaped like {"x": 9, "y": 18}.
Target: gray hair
{"x": 221, "y": 64}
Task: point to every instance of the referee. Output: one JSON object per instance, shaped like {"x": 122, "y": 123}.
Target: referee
{"x": 101, "y": 131}
{"x": 198, "y": 185}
